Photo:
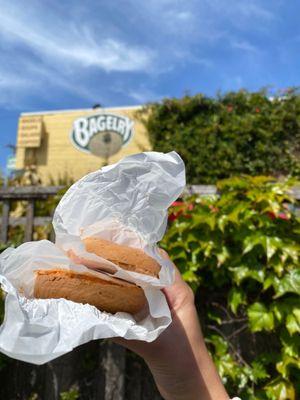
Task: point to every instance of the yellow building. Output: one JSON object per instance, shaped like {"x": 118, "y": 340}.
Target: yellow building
{"x": 71, "y": 143}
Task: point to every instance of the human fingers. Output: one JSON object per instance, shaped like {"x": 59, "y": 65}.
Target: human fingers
{"x": 179, "y": 293}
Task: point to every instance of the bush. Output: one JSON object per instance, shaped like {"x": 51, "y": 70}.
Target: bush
{"x": 235, "y": 133}
{"x": 240, "y": 253}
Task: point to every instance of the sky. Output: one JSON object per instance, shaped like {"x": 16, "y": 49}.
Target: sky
{"x": 73, "y": 54}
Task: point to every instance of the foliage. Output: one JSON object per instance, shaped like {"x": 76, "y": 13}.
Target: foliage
{"x": 4, "y": 360}
{"x": 235, "y": 133}
{"x": 33, "y": 396}
{"x": 240, "y": 253}
{"x": 72, "y": 394}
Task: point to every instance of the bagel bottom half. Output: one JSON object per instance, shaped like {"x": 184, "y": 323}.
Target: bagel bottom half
{"x": 104, "y": 292}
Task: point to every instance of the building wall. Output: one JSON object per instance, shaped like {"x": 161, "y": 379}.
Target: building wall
{"x": 56, "y": 157}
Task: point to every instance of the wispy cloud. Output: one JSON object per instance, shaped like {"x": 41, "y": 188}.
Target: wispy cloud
{"x": 144, "y": 95}
{"x": 70, "y": 45}
{"x": 252, "y": 9}
{"x": 243, "y": 45}
{"x": 83, "y": 50}
{"x": 45, "y": 54}
{"x": 20, "y": 83}
{"x": 10, "y": 80}
{"x": 244, "y": 14}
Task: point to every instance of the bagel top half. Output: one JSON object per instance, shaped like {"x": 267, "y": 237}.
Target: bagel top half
{"x": 128, "y": 258}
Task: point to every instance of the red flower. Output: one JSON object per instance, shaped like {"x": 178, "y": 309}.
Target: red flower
{"x": 181, "y": 210}
{"x": 280, "y": 215}
{"x": 257, "y": 110}
{"x": 177, "y": 203}
{"x": 172, "y": 217}
{"x": 271, "y": 215}
{"x": 229, "y": 108}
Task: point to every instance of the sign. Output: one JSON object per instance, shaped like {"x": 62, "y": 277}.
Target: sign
{"x": 11, "y": 163}
{"x": 102, "y": 135}
{"x": 29, "y": 132}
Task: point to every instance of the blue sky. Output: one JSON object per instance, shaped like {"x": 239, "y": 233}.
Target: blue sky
{"x": 72, "y": 54}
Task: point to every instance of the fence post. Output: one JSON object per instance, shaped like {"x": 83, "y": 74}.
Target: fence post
{"x": 52, "y": 233}
{"x": 5, "y": 220}
{"x": 29, "y": 220}
{"x": 113, "y": 367}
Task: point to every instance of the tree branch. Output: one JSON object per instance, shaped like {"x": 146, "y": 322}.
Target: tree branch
{"x": 233, "y": 349}
{"x": 232, "y": 321}
{"x": 237, "y": 331}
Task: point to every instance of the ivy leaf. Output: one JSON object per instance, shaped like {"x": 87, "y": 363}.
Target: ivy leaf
{"x": 221, "y": 346}
{"x": 260, "y": 318}
{"x": 208, "y": 219}
{"x": 270, "y": 244}
{"x": 283, "y": 308}
{"x": 293, "y": 323}
{"x": 222, "y": 221}
{"x": 234, "y": 215}
{"x": 222, "y": 256}
{"x": 259, "y": 371}
{"x": 208, "y": 247}
{"x": 269, "y": 281}
{"x": 243, "y": 272}
{"x": 190, "y": 276}
{"x": 214, "y": 317}
{"x": 236, "y": 297}
{"x": 177, "y": 251}
{"x": 287, "y": 361}
{"x": 292, "y": 251}
{"x": 291, "y": 344}
{"x": 290, "y": 283}
{"x": 280, "y": 389}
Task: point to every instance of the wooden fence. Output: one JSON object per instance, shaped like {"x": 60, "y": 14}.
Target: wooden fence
{"x": 32, "y": 193}
{"x": 29, "y": 194}
{"x": 99, "y": 370}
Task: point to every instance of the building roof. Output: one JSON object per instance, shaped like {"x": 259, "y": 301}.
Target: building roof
{"x": 79, "y": 110}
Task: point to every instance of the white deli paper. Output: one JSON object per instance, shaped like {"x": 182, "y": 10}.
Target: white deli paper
{"x": 127, "y": 203}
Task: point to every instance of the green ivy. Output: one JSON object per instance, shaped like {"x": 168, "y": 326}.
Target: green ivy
{"x": 240, "y": 252}
{"x": 72, "y": 394}
{"x": 234, "y": 133}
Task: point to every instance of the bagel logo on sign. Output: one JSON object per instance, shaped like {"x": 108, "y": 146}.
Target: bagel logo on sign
{"x": 102, "y": 135}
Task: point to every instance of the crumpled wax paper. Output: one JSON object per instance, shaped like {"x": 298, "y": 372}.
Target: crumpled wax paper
{"x": 127, "y": 203}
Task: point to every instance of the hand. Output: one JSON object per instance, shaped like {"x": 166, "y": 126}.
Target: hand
{"x": 178, "y": 358}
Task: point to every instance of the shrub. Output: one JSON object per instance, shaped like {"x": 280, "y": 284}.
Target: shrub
{"x": 72, "y": 394}
{"x": 240, "y": 253}
{"x": 236, "y": 133}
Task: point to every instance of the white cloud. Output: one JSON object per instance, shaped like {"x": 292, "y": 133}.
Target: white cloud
{"x": 10, "y": 80}
{"x": 183, "y": 15}
{"x": 46, "y": 55}
{"x": 252, "y": 9}
{"x": 36, "y": 80}
{"x": 87, "y": 48}
{"x": 243, "y": 14}
{"x": 67, "y": 45}
{"x": 244, "y": 45}
{"x": 143, "y": 95}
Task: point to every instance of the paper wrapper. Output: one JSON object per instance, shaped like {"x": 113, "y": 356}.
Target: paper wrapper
{"x": 126, "y": 203}
{"x": 39, "y": 330}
